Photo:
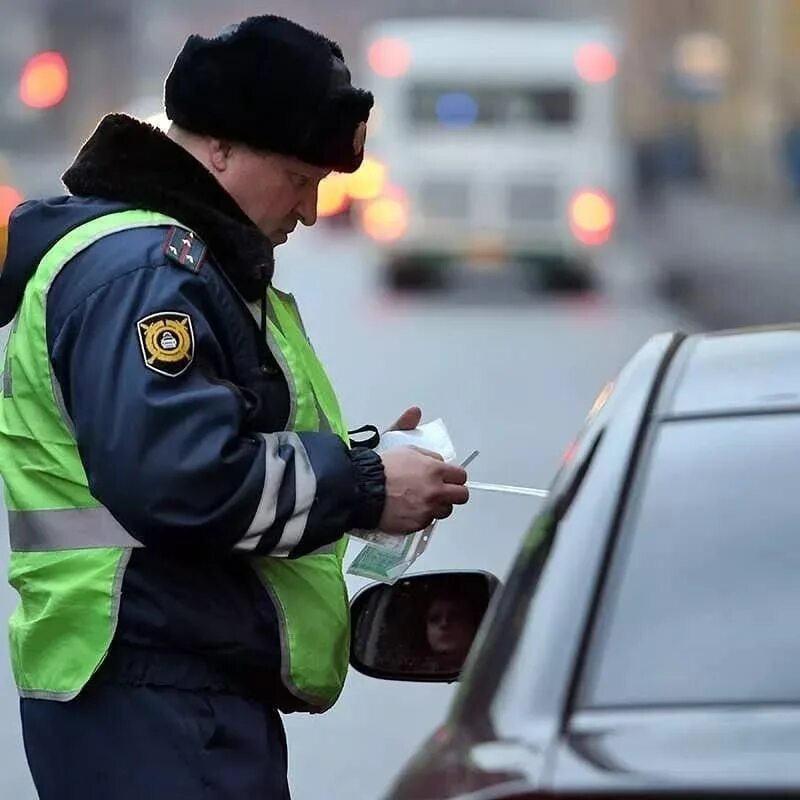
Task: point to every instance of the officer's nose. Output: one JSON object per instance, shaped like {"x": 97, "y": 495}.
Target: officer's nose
{"x": 307, "y": 209}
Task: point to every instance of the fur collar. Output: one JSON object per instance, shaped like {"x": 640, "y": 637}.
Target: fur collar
{"x": 132, "y": 162}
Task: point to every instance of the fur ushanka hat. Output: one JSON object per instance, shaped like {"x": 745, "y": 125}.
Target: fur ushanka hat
{"x": 274, "y": 85}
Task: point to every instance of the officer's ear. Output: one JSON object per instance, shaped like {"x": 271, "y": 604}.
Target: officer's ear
{"x": 219, "y": 154}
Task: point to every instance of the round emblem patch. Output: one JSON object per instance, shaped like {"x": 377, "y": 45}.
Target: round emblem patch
{"x": 167, "y": 342}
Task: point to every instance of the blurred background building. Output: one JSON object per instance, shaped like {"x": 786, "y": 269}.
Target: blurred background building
{"x": 712, "y": 90}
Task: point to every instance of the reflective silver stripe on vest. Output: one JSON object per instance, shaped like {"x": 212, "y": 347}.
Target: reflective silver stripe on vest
{"x": 7, "y": 380}
{"x": 7, "y": 385}
{"x": 66, "y": 529}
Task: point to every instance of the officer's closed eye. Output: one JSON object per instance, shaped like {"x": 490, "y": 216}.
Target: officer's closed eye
{"x": 300, "y": 181}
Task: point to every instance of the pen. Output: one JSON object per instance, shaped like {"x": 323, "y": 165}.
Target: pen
{"x": 499, "y": 487}
{"x": 470, "y": 458}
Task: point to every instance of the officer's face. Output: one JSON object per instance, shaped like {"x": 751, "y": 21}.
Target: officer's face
{"x": 275, "y": 191}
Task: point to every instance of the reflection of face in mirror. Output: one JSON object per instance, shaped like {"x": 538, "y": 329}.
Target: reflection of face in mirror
{"x": 422, "y": 625}
{"x": 450, "y": 629}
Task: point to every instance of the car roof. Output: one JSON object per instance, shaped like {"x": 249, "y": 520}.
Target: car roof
{"x": 731, "y": 373}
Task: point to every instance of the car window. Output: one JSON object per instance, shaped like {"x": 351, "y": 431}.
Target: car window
{"x": 464, "y": 105}
{"x": 506, "y": 636}
{"x": 700, "y": 605}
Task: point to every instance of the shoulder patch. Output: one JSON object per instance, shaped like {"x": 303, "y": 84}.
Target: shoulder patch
{"x": 167, "y": 342}
{"x": 185, "y": 249}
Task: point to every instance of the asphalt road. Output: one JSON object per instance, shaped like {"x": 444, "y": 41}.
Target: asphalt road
{"x": 729, "y": 262}
{"x": 510, "y": 374}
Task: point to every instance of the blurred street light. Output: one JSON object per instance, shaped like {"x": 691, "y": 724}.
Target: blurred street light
{"x": 701, "y": 64}
{"x": 44, "y": 81}
{"x": 10, "y": 198}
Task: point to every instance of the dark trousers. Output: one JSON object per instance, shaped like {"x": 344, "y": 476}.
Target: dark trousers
{"x": 117, "y": 742}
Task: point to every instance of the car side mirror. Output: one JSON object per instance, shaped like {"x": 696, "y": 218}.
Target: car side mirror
{"x": 421, "y": 628}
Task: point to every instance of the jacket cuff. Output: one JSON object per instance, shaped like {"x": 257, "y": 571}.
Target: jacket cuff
{"x": 370, "y": 482}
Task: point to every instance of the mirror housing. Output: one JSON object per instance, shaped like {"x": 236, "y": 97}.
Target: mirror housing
{"x": 421, "y": 628}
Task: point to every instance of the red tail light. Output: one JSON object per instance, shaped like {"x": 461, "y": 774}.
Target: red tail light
{"x": 592, "y": 216}
{"x": 596, "y": 63}
{"x": 389, "y": 58}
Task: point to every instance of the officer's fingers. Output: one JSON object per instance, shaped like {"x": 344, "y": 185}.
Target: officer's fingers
{"x": 452, "y": 494}
{"x": 452, "y": 473}
{"x": 443, "y": 511}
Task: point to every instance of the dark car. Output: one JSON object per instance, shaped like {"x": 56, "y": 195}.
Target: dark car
{"x": 647, "y": 641}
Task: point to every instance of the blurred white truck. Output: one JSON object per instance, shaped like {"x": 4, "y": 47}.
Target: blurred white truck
{"x": 492, "y": 142}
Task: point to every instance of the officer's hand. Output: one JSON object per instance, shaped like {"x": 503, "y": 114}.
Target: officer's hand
{"x": 420, "y": 487}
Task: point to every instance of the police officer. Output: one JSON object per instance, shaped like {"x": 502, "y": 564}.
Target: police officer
{"x": 179, "y": 475}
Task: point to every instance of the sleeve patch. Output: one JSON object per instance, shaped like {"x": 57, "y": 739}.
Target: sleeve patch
{"x": 167, "y": 342}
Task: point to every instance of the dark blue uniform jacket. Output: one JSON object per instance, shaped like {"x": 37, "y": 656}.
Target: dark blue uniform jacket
{"x": 191, "y": 457}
